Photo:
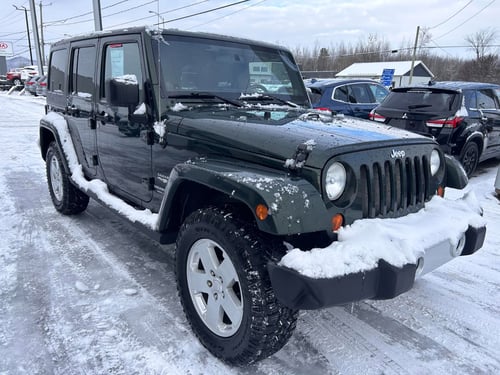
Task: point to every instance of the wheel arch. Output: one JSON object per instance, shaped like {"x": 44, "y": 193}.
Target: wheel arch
{"x": 476, "y": 137}
{"x": 48, "y": 134}
{"x": 294, "y": 205}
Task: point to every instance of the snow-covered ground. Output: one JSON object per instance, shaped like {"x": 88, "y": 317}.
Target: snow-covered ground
{"x": 90, "y": 295}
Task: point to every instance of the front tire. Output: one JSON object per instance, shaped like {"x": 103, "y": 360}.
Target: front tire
{"x": 225, "y": 288}
{"x": 66, "y": 198}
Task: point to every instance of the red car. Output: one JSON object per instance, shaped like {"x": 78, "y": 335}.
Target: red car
{"x": 14, "y": 76}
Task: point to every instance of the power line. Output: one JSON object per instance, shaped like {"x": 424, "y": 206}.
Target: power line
{"x": 63, "y": 20}
{"x": 207, "y": 11}
{"x": 168, "y": 11}
{"x": 453, "y": 15}
{"x": 227, "y": 15}
{"x": 467, "y": 20}
{"x": 108, "y": 15}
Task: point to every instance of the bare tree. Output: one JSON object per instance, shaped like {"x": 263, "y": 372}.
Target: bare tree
{"x": 485, "y": 68}
{"x": 481, "y": 41}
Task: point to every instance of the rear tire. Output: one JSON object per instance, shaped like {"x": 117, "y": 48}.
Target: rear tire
{"x": 470, "y": 158}
{"x": 67, "y": 199}
{"x": 225, "y": 288}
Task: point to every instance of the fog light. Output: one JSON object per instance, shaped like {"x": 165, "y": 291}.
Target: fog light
{"x": 457, "y": 251}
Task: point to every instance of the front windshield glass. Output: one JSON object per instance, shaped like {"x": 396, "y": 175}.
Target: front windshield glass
{"x": 194, "y": 68}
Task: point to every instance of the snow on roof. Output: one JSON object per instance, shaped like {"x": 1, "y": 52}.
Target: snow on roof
{"x": 372, "y": 69}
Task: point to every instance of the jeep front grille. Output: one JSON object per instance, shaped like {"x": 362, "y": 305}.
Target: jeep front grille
{"x": 395, "y": 187}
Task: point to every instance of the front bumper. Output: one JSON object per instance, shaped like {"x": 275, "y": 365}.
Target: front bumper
{"x": 298, "y": 291}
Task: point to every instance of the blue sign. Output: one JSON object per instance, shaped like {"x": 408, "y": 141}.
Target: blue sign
{"x": 387, "y": 75}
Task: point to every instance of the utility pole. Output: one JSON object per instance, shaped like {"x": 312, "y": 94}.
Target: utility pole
{"x": 27, "y": 29}
{"x": 414, "y": 55}
{"x": 97, "y": 15}
{"x": 35, "y": 36}
{"x": 42, "y": 41}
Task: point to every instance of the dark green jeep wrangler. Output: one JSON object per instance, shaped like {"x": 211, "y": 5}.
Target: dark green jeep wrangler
{"x": 210, "y": 142}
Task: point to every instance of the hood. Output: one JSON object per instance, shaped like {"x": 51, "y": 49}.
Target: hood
{"x": 279, "y": 139}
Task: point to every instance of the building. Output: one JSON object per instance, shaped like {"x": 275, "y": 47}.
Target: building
{"x": 401, "y": 77}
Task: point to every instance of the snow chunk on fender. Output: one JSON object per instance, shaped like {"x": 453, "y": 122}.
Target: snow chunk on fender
{"x": 399, "y": 241}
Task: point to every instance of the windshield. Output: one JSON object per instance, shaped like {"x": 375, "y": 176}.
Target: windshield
{"x": 194, "y": 68}
{"x": 422, "y": 100}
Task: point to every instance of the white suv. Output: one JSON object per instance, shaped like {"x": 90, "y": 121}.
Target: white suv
{"x": 30, "y": 71}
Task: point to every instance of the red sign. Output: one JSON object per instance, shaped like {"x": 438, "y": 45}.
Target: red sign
{"x": 6, "y": 49}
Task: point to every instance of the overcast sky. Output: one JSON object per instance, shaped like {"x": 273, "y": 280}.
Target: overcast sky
{"x": 294, "y": 23}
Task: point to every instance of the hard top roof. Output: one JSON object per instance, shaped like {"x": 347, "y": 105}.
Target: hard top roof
{"x": 153, "y": 31}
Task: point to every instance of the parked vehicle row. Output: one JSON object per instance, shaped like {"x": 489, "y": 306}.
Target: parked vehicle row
{"x": 463, "y": 117}
{"x": 36, "y": 85}
{"x": 18, "y": 76}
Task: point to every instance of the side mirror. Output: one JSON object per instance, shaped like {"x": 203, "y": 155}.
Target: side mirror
{"x": 123, "y": 91}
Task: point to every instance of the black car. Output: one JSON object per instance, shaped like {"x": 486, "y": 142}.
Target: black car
{"x": 352, "y": 97}
{"x": 464, "y": 117}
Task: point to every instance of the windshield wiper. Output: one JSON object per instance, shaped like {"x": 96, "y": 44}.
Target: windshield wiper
{"x": 266, "y": 97}
{"x": 206, "y": 95}
{"x": 417, "y": 106}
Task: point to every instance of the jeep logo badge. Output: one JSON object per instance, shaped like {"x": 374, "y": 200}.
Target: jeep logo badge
{"x": 397, "y": 154}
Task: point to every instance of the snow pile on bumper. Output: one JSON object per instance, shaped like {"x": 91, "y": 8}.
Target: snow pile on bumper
{"x": 401, "y": 241}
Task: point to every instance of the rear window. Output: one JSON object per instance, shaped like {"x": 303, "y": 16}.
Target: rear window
{"x": 423, "y": 101}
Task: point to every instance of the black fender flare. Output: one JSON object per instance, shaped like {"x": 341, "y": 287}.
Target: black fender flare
{"x": 46, "y": 128}
{"x": 295, "y": 206}
{"x": 456, "y": 177}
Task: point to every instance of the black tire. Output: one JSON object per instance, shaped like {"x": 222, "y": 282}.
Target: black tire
{"x": 66, "y": 198}
{"x": 17, "y": 82}
{"x": 259, "y": 324}
{"x": 470, "y": 158}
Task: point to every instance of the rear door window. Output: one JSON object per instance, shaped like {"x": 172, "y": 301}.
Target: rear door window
{"x": 486, "y": 99}
{"x": 340, "y": 93}
{"x": 360, "y": 93}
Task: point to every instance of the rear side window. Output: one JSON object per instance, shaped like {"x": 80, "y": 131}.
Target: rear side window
{"x": 423, "y": 101}
{"x": 122, "y": 59}
{"x": 360, "y": 94}
{"x": 486, "y": 99}
{"x": 57, "y": 69}
{"x": 379, "y": 92}
{"x": 82, "y": 71}
{"x": 340, "y": 94}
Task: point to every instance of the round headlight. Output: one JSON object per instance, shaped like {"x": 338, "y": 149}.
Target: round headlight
{"x": 335, "y": 182}
{"x": 435, "y": 162}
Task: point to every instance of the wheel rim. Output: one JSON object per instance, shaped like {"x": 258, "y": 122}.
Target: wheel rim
{"x": 469, "y": 160}
{"x": 56, "y": 178}
{"x": 214, "y": 287}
